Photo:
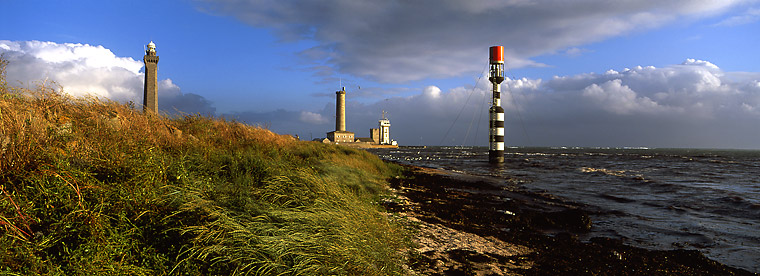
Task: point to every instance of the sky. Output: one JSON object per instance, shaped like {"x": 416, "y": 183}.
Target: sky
{"x": 589, "y": 73}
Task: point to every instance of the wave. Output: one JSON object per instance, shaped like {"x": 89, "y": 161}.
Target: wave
{"x": 620, "y": 173}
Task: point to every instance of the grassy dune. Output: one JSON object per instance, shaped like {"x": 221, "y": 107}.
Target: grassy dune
{"x": 89, "y": 186}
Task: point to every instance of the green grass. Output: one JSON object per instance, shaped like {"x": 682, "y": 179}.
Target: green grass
{"x": 93, "y": 187}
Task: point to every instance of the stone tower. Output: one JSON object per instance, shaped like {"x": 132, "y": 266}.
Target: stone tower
{"x": 150, "y": 95}
{"x": 340, "y": 135}
{"x": 340, "y": 110}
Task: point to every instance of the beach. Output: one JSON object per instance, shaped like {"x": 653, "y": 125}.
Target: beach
{"x": 470, "y": 225}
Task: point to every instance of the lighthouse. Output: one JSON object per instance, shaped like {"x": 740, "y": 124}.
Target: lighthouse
{"x": 340, "y": 135}
{"x": 150, "y": 93}
{"x": 340, "y": 110}
{"x": 496, "y": 113}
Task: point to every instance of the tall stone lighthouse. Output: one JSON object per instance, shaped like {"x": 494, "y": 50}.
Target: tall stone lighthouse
{"x": 340, "y": 110}
{"x": 340, "y": 135}
{"x": 150, "y": 95}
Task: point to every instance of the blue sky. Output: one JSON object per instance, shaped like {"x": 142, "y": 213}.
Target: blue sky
{"x": 692, "y": 78}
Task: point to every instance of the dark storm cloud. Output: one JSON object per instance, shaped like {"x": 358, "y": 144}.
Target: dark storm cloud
{"x": 171, "y": 100}
{"x": 398, "y": 41}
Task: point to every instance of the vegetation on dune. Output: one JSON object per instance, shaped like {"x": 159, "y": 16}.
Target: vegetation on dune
{"x": 95, "y": 187}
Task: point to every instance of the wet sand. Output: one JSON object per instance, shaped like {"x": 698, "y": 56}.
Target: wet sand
{"x": 469, "y": 225}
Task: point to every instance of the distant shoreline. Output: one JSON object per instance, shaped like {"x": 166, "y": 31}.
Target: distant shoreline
{"x": 367, "y": 146}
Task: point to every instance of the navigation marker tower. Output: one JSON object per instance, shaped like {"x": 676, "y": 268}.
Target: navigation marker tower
{"x": 496, "y": 113}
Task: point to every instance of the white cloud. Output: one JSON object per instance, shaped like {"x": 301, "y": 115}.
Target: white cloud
{"x": 312, "y": 118}
{"x": 83, "y": 69}
{"x": 750, "y": 16}
{"x": 400, "y": 41}
{"x": 523, "y": 83}
{"x": 617, "y": 98}
{"x": 698, "y": 62}
{"x": 431, "y": 92}
{"x": 84, "y": 55}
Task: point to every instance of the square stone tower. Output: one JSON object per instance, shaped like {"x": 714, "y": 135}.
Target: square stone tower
{"x": 374, "y": 133}
{"x": 150, "y": 95}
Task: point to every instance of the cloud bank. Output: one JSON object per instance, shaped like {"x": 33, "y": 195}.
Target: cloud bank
{"x": 83, "y": 69}
{"x": 692, "y": 104}
{"x": 399, "y": 41}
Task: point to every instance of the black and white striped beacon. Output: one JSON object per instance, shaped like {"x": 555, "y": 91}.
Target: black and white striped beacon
{"x": 496, "y": 113}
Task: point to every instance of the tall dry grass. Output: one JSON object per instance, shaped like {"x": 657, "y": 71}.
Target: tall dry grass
{"x": 91, "y": 186}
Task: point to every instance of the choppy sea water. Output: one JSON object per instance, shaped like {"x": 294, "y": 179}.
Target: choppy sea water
{"x": 708, "y": 200}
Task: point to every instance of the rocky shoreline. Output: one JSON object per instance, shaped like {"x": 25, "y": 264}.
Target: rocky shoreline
{"x": 468, "y": 225}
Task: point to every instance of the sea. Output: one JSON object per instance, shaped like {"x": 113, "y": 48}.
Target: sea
{"x": 700, "y": 199}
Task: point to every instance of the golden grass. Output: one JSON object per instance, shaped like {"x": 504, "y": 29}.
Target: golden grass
{"x": 91, "y": 186}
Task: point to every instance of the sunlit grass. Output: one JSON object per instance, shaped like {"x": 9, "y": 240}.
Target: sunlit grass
{"x": 90, "y": 186}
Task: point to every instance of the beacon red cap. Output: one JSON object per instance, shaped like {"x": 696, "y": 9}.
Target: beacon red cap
{"x": 497, "y": 54}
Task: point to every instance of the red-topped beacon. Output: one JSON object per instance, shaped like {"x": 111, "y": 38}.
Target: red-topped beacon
{"x": 497, "y": 54}
{"x": 496, "y": 113}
